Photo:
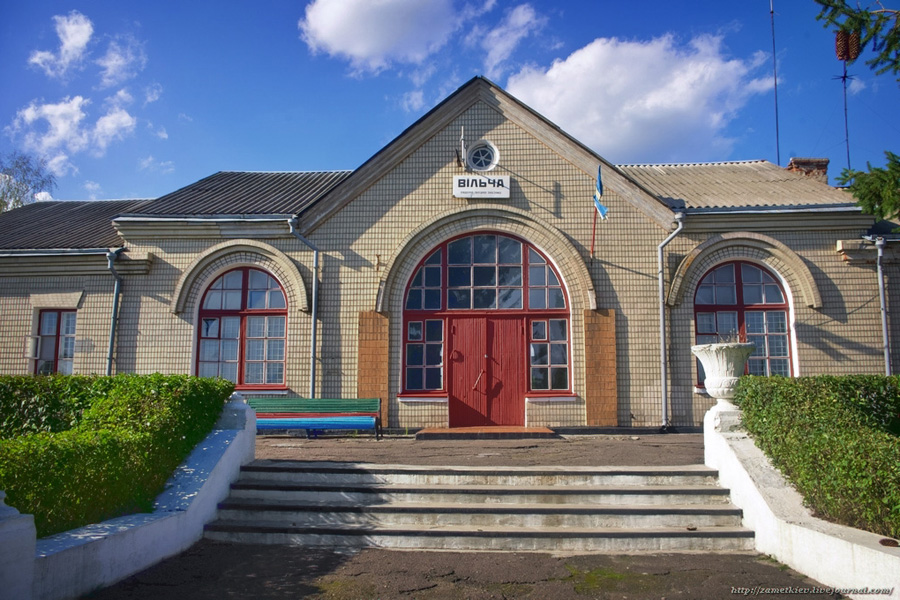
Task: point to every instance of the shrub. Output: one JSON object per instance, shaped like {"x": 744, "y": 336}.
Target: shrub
{"x": 836, "y": 439}
{"x": 133, "y": 434}
{"x": 53, "y": 403}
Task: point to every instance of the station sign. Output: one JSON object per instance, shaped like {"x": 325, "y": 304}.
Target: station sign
{"x": 480, "y": 186}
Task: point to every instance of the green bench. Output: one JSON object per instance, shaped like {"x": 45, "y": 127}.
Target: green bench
{"x": 317, "y": 414}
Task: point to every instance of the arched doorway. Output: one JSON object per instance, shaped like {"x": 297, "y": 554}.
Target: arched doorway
{"x": 486, "y": 322}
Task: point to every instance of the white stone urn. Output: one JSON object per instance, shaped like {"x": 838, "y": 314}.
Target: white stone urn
{"x": 723, "y": 364}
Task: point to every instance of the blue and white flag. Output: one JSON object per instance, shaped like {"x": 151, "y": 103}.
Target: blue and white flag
{"x": 598, "y": 193}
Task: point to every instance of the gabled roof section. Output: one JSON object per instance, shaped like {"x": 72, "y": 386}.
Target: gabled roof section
{"x": 480, "y": 89}
{"x": 745, "y": 184}
{"x": 64, "y": 225}
{"x": 245, "y": 193}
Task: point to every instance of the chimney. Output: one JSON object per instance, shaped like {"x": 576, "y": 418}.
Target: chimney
{"x": 816, "y": 168}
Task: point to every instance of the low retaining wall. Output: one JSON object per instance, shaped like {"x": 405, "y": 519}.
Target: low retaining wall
{"x": 76, "y": 562}
{"x": 845, "y": 559}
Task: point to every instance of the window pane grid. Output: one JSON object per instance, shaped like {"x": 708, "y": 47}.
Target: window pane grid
{"x": 424, "y": 369}
{"x": 484, "y": 272}
{"x": 425, "y": 291}
{"x": 56, "y": 354}
{"x": 548, "y": 355}
{"x": 767, "y": 329}
{"x": 236, "y": 342}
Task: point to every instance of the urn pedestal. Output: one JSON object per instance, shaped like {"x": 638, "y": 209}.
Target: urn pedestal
{"x": 723, "y": 364}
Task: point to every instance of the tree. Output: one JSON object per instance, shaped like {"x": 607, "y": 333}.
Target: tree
{"x": 880, "y": 26}
{"x": 877, "y": 191}
{"x": 21, "y": 177}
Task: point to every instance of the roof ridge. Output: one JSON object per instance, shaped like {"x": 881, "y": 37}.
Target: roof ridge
{"x": 287, "y": 172}
{"x": 696, "y": 164}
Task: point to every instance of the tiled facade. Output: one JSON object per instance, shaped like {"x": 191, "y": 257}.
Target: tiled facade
{"x": 372, "y": 241}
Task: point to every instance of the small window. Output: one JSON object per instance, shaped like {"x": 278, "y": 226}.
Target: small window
{"x": 56, "y": 342}
{"x": 425, "y": 355}
{"x": 482, "y": 156}
{"x": 549, "y": 355}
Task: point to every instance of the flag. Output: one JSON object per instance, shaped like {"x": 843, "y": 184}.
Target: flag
{"x": 598, "y": 193}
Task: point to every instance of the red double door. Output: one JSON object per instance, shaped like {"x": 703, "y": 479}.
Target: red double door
{"x": 486, "y": 371}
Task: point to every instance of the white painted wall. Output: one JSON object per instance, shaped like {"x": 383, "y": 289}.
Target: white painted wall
{"x": 836, "y": 556}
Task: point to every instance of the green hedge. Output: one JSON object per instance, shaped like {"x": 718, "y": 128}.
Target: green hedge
{"x": 33, "y": 404}
{"x": 836, "y": 439}
{"x": 131, "y": 434}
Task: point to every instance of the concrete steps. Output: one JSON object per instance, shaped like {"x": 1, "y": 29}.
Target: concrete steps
{"x": 584, "y": 509}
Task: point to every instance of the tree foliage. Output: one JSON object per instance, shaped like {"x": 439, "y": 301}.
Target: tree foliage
{"x": 21, "y": 177}
{"x": 877, "y": 25}
{"x": 877, "y": 191}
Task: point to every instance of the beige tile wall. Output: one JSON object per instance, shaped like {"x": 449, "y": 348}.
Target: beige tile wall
{"x": 550, "y": 206}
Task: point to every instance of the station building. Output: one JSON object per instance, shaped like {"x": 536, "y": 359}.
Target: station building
{"x": 461, "y": 276}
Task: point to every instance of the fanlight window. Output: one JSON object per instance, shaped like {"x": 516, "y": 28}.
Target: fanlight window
{"x": 243, "y": 329}
{"x": 485, "y": 273}
{"x": 743, "y": 300}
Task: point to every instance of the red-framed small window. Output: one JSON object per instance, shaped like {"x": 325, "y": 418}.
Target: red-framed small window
{"x": 486, "y": 274}
{"x": 743, "y": 299}
{"x": 242, "y": 333}
{"x": 56, "y": 342}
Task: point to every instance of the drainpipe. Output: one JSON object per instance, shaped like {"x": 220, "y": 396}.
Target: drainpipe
{"x": 292, "y": 223}
{"x": 111, "y": 257}
{"x": 879, "y": 245}
{"x": 663, "y": 361}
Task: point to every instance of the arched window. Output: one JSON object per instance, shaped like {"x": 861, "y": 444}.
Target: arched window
{"x": 743, "y": 299}
{"x": 243, "y": 322}
{"x": 484, "y": 286}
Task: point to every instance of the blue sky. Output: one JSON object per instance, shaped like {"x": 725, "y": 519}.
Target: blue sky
{"x": 136, "y": 99}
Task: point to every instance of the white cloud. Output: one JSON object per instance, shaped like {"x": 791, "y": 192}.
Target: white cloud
{"x": 58, "y": 131}
{"x": 119, "y": 99}
{"x": 124, "y": 58}
{"x": 114, "y": 125}
{"x": 93, "y": 189}
{"x": 651, "y": 101}
{"x": 501, "y": 41}
{"x": 152, "y": 93}
{"x": 413, "y": 101}
{"x": 43, "y": 197}
{"x": 74, "y": 31}
{"x": 60, "y": 165}
{"x": 161, "y": 133}
{"x": 373, "y": 35}
{"x": 151, "y": 164}
{"x": 856, "y": 86}
{"x": 62, "y": 128}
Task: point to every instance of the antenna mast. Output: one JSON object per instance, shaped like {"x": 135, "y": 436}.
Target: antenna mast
{"x": 775, "y": 73}
{"x": 846, "y": 47}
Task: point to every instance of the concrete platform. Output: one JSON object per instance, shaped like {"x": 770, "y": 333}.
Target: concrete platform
{"x": 486, "y": 433}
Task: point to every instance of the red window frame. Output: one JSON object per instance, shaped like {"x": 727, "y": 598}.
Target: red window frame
{"x": 57, "y": 337}
{"x": 443, "y": 313}
{"x": 742, "y": 307}
{"x": 243, "y": 314}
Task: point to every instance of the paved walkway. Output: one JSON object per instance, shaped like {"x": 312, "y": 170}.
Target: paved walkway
{"x": 214, "y": 570}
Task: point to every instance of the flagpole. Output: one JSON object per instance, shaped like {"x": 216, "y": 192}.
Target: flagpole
{"x": 594, "y": 234}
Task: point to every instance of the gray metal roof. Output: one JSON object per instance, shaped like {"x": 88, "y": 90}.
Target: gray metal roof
{"x": 57, "y": 225}
{"x": 744, "y": 184}
{"x": 246, "y": 193}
